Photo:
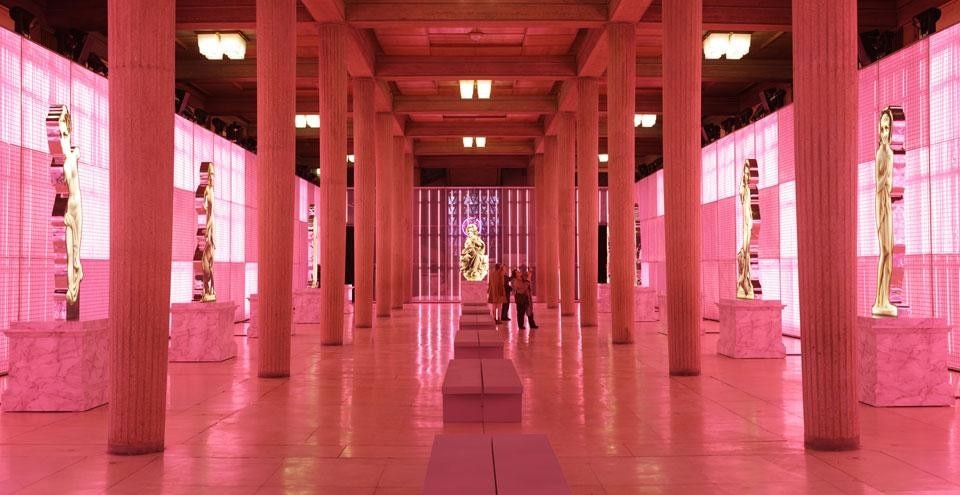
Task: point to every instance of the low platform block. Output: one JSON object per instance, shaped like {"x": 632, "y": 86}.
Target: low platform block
{"x": 460, "y": 464}
{"x": 751, "y": 329}
{"x": 202, "y": 332}
{"x": 478, "y": 344}
{"x": 475, "y": 309}
{"x": 462, "y": 392}
{"x": 57, "y": 365}
{"x": 477, "y": 322}
{"x": 502, "y": 391}
{"x": 527, "y": 465}
{"x": 903, "y": 362}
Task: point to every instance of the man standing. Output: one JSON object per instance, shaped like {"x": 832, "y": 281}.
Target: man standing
{"x": 521, "y": 290}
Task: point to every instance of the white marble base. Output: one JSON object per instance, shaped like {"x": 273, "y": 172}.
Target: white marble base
{"x": 202, "y": 332}
{"x": 57, "y": 365}
{"x": 751, "y": 329}
{"x": 645, "y": 301}
{"x": 903, "y": 362}
{"x": 347, "y": 300}
{"x": 473, "y": 292}
{"x": 253, "y": 330}
{"x": 306, "y": 306}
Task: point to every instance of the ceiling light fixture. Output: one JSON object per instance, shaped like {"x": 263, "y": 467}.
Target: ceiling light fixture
{"x": 468, "y": 142}
{"x": 733, "y": 45}
{"x": 644, "y": 119}
{"x": 214, "y": 46}
{"x": 484, "y": 87}
{"x": 307, "y": 121}
{"x": 466, "y": 90}
{"x": 603, "y": 157}
{"x": 481, "y": 142}
{"x": 351, "y": 158}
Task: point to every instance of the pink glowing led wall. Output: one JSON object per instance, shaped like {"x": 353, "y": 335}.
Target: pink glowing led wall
{"x": 924, "y": 79}
{"x": 31, "y": 78}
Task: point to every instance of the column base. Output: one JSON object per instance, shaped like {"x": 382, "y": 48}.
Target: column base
{"x": 903, "y": 362}
{"x": 832, "y": 445}
{"x": 57, "y": 365}
{"x": 202, "y": 332}
{"x": 751, "y": 328}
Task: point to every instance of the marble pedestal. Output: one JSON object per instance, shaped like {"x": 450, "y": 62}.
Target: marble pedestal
{"x": 473, "y": 292}
{"x": 253, "y": 330}
{"x": 202, "y": 332}
{"x": 751, "y": 329}
{"x": 57, "y": 365}
{"x": 903, "y": 362}
{"x": 644, "y": 302}
{"x": 347, "y": 299}
{"x": 306, "y": 305}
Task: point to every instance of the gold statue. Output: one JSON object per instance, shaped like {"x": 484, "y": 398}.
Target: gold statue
{"x": 748, "y": 286}
{"x": 203, "y": 289}
{"x": 473, "y": 256}
{"x": 883, "y": 207}
{"x": 65, "y": 176}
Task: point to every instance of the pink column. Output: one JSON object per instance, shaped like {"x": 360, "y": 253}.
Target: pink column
{"x": 825, "y": 116}
{"x": 566, "y": 140}
{"x": 551, "y": 180}
{"x": 397, "y": 233}
{"x": 588, "y": 122}
{"x": 332, "y": 88}
{"x": 682, "y": 45}
{"x": 141, "y": 158}
{"x": 364, "y": 199}
{"x": 539, "y": 200}
{"x": 408, "y": 205}
{"x": 385, "y": 167}
{"x": 621, "y": 101}
{"x": 276, "y": 147}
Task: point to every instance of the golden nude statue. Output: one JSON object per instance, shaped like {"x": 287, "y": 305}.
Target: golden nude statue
{"x": 67, "y": 209}
{"x": 883, "y": 208}
{"x": 203, "y": 289}
{"x": 748, "y": 287}
{"x": 473, "y": 256}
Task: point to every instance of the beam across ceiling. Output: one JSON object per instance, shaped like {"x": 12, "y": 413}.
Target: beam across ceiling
{"x": 400, "y": 68}
{"x": 474, "y": 161}
{"x": 650, "y": 71}
{"x": 545, "y": 13}
{"x": 494, "y": 147}
{"x": 460, "y": 129}
{"x": 501, "y": 105}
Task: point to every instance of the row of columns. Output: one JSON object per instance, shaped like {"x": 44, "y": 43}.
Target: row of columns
{"x": 825, "y": 88}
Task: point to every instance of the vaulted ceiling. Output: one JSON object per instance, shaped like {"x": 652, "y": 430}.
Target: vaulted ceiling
{"x": 419, "y": 49}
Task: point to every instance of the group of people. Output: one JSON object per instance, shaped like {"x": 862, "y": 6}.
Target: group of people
{"x": 501, "y": 284}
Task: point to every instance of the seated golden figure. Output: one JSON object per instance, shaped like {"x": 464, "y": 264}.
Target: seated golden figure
{"x": 473, "y": 256}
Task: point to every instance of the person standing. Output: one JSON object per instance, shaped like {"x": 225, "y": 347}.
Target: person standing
{"x": 505, "y": 308}
{"x": 521, "y": 294}
{"x": 527, "y": 277}
{"x": 495, "y": 292}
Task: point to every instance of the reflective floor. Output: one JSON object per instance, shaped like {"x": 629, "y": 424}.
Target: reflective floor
{"x": 360, "y": 419}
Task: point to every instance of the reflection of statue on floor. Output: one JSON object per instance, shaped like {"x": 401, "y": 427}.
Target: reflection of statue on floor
{"x": 748, "y": 285}
{"x": 203, "y": 289}
{"x": 884, "y": 209}
{"x": 473, "y": 256}
{"x": 67, "y": 210}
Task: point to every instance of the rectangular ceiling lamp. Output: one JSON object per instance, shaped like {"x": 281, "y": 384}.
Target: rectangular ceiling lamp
{"x": 209, "y": 45}
{"x": 466, "y": 90}
{"x": 468, "y": 142}
{"x": 300, "y": 121}
{"x": 603, "y": 157}
{"x": 715, "y": 45}
{"x": 483, "y": 89}
{"x": 481, "y": 142}
{"x": 739, "y": 46}
{"x": 648, "y": 119}
{"x": 234, "y": 45}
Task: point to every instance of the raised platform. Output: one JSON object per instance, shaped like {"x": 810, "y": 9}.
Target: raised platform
{"x": 751, "y": 328}
{"x": 202, "y": 332}
{"x": 57, "y": 365}
{"x": 478, "y": 344}
{"x": 477, "y": 322}
{"x": 644, "y": 302}
{"x": 487, "y": 390}
{"x": 473, "y": 292}
{"x": 903, "y": 362}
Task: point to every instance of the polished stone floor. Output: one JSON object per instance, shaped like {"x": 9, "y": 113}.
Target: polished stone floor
{"x": 360, "y": 419}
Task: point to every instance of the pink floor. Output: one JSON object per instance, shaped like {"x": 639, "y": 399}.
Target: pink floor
{"x": 360, "y": 419}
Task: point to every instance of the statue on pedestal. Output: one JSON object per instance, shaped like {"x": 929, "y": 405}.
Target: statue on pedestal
{"x": 312, "y": 277}
{"x": 67, "y": 217}
{"x": 473, "y": 256}
{"x": 203, "y": 289}
{"x": 748, "y": 283}
{"x": 890, "y": 161}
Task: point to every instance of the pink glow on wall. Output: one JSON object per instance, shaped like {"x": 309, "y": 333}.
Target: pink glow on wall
{"x": 924, "y": 79}
{"x": 31, "y": 78}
